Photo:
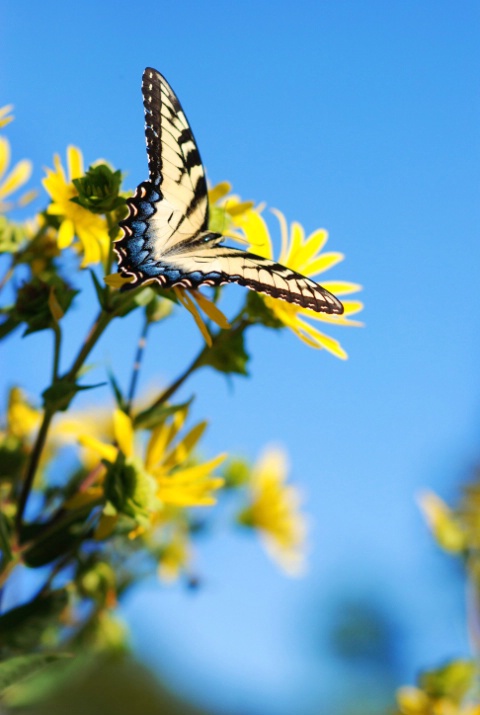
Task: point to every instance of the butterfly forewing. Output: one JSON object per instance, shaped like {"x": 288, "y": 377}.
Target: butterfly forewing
{"x": 165, "y": 237}
{"x": 173, "y": 158}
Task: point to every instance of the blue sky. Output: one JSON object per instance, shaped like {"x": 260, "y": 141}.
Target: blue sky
{"x": 358, "y": 117}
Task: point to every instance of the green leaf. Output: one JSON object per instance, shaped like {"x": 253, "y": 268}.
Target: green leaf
{"x": 15, "y": 670}
{"x": 101, "y": 290}
{"x": 33, "y": 302}
{"x": 119, "y": 397}
{"x": 50, "y": 541}
{"x": 22, "y": 628}
{"x": 9, "y": 325}
{"x": 259, "y": 312}
{"x": 153, "y": 416}
{"x": 227, "y": 353}
{"x": 58, "y": 396}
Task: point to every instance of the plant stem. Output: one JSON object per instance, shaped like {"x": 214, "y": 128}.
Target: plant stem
{"x": 6, "y": 277}
{"x": 96, "y": 330}
{"x": 137, "y": 364}
{"x": 32, "y": 466}
{"x": 56, "y": 356}
{"x": 179, "y": 381}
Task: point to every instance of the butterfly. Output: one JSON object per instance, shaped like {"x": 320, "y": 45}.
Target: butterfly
{"x": 165, "y": 235}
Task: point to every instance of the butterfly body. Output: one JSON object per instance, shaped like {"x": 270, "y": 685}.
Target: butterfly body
{"x": 165, "y": 235}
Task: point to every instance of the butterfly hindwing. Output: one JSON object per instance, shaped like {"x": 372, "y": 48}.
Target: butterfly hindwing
{"x": 165, "y": 236}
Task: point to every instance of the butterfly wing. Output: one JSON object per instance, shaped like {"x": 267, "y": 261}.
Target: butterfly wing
{"x": 172, "y": 206}
{"x": 165, "y": 237}
{"x": 204, "y": 264}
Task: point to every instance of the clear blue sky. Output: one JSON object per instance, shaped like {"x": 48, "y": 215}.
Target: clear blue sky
{"x": 359, "y": 117}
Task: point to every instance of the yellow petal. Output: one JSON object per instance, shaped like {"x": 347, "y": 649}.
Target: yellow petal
{"x": 4, "y": 120}
{"x": 413, "y": 701}
{"x": 115, "y": 280}
{"x": 341, "y": 287}
{"x": 442, "y": 522}
{"x": 240, "y": 208}
{"x": 65, "y": 234}
{"x": 4, "y": 155}
{"x": 105, "y": 527}
{"x": 219, "y": 191}
{"x": 283, "y": 234}
{"x": 188, "y": 303}
{"x": 54, "y": 305}
{"x": 74, "y": 162}
{"x": 106, "y": 451}
{"x": 256, "y": 232}
{"x": 157, "y": 446}
{"x": 306, "y": 331}
{"x": 123, "y": 430}
{"x": 211, "y": 310}
{"x": 324, "y": 262}
{"x": 310, "y": 248}
{"x": 296, "y": 242}
{"x": 19, "y": 175}
{"x": 181, "y": 451}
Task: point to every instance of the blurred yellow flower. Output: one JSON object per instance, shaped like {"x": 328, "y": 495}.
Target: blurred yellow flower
{"x": 22, "y": 418}
{"x": 15, "y": 179}
{"x": 175, "y": 555}
{"x": 274, "y": 510}
{"x": 443, "y": 522}
{"x": 90, "y": 228}
{"x": 413, "y": 701}
{"x": 303, "y": 255}
{"x": 447, "y": 690}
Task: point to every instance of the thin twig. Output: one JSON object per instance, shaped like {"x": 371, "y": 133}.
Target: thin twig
{"x": 137, "y": 364}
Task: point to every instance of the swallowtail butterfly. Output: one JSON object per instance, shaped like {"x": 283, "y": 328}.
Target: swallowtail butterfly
{"x": 165, "y": 235}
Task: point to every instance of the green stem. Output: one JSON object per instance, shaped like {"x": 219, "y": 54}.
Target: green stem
{"x": 137, "y": 364}
{"x": 179, "y": 381}
{"x": 6, "y": 277}
{"x": 32, "y": 466}
{"x": 238, "y": 323}
{"x": 101, "y": 322}
{"x": 56, "y": 355}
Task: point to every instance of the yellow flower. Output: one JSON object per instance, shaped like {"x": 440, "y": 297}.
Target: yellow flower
{"x": 76, "y": 220}
{"x": 303, "y": 255}
{"x": 167, "y": 463}
{"x": 17, "y": 177}
{"x": 274, "y": 510}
